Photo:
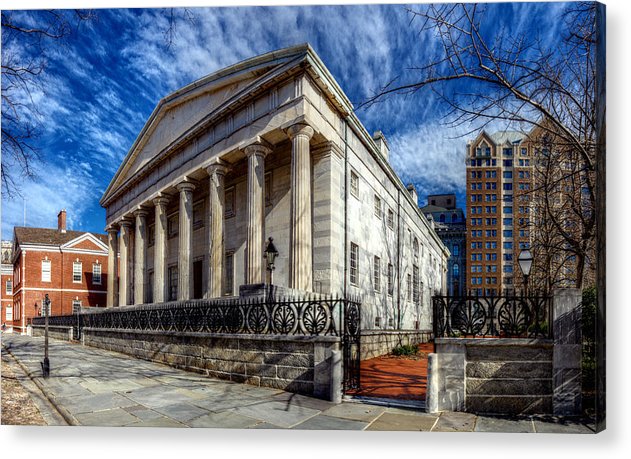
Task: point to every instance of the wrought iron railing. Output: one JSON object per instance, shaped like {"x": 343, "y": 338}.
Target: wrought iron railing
{"x": 321, "y": 315}
{"x": 492, "y": 316}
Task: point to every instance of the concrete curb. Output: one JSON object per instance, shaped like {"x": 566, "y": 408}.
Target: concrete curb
{"x": 63, "y": 412}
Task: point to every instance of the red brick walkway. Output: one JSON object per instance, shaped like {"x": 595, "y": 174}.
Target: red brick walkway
{"x": 395, "y": 377}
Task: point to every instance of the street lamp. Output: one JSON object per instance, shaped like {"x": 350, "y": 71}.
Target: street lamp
{"x": 46, "y": 311}
{"x": 525, "y": 263}
{"x": 270, "y": 255}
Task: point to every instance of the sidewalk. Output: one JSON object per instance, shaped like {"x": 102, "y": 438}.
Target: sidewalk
{"x": 94, "y": 387}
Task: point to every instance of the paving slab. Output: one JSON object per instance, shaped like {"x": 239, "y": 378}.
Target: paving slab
{"x": 277, "y": 413}
{"x": 181, "y": 412}
{"x": 156, "y": 396}
{"x": 503, "y": 424}
{"x": 157, "y": 422}
{"x": 103, "y": 387}
{"x": 303, "y": 400}
{"x": 562, "y": 426}
{"x": 226, "y": 420}
{"x": 455, "y": 422}
{"x": 116, "y": 417}
{"x": 403, "y": 422}
{"x": 94, "y": 402}
{"x": 355, "y": 411}
{"x": 143, "y": 413}
{"x": 322, "y": 422}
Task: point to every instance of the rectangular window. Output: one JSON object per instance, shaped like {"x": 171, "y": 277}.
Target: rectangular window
{"x": 9, "y": 287}
{"x": 355, "y": 184}
{"x": 508, "y": 210}
{"x": 508, "y": 174}
{"x": 96, "y": 273}
{"x": 172, "y": 283}
{"x": 377, "y": 206}
{"x": 524, "y": 152}
{"x": 229, "y": 276}
{"x": 508, "y": 163}
{"x": 77, "y": 271}
{"x": 508, "y": 221}
{"x": 390, "y": 279}
{"x": 229, "y": 203}
{"x": 45, "y": 270}
{"x": 76, "y": 306}
{"x": 173, "y": 226}
{"x": 377, "y": 274}
{"x": 9, "y": 313}
{"x": 354, "y": 263}
{"x": 268, "y": 189}
{"x": 151, "y": 235}
{"x": 390, "y": 219}
{"x": 198, "y": 216}
{"x": 409, "y": 287}
{"x": 507, "y": 152}
{"x": 415, "y": 284}
{"x": 508, "y": 233}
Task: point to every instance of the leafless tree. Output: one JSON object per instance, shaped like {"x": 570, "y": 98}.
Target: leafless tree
{"x": 25, "y": 41}
{"x": 484, "y": 76}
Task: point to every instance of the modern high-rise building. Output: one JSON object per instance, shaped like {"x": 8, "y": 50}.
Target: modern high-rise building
{"x": 450, "y": 225}
{"x": 500, "y": 173}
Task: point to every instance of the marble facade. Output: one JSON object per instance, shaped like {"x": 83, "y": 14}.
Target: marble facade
{"x": 268, "y": 148}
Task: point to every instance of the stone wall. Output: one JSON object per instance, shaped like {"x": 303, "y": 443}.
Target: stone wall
{"x": 300, "y": 364}
{"x": 54, "y": 332}
{"x": 380, "y": 342}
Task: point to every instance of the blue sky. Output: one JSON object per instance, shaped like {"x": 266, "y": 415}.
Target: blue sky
{"x": 101, "y": 85}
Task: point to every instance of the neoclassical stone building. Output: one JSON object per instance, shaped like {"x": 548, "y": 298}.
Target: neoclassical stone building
{"x": 269, "y": 147}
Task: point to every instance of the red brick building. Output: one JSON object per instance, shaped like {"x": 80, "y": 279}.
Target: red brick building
{"x": 6, "y": 286}
{"x": 69, "y": 266}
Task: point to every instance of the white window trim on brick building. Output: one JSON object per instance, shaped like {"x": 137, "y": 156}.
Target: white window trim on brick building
{"x": 77, "y": 272}
{"x": 46, "y": 270}
{"x": 96, "y": 273}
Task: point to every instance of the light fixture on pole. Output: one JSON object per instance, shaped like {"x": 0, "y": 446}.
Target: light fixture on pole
{"x": 525, "y": 263}
{"x": 46, "y": 312}
{"x": 270, "y": 255}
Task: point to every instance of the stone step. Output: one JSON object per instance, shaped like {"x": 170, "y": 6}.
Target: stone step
{"x": 507, "y": 369}
{"x": 509, "y": 353}
{"x": 523, "y": 404}
{"x": 492, "y": 387}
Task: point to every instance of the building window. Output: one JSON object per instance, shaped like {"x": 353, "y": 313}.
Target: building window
{"x": 151, "y": 235}
{"x": 354, "y": 263}
{"x": 173, "y": 225}
{"x": 409, "y": 287}
{"x": 229, "y": 276}
{"x": 9, "y": 313}
{"x": 377, "y": 274}
{"x": 355, "y": 184}
{"x": 9, "y": 287}
{"x": 456, "y": 250}
{"x": 377, "y": 206}
{"x": 390, "y": 219}
{"x": 377, "y": 322}
{"x": 172, "y": 283}
{"x": 229, "y": 203}
{"x": 390, "y": 279}
{"x": 415, "y": 284}
{"x": 415, "y": 247}
{"x": 76, "y": 306}
{"x": 198, "y": 216}
{"x": 456, "y": 270}
{"x": 268, "y": 189}
{"x": 45, "y": 270}
{"x": 96, "y": 273}
{"x": 77, "y": 271}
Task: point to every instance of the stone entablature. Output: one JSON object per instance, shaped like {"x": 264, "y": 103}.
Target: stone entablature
{"x": 272, "y": 159}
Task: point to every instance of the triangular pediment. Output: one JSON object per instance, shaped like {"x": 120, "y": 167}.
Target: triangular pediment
{"x": 87, "y": 242}
{"x": 179, "y": 114}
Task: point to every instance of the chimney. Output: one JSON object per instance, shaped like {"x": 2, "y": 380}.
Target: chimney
{"x": 61, "y": 221}
{"x": 413, "y": 193}
{"x": 382, "y": 144}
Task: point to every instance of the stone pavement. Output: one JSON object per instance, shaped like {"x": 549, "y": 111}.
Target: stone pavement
{"x": 95, "y": 387}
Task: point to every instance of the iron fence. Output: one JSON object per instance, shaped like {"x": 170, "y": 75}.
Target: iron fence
{"x": 315, "y": 316}
{"x": 492, "y": 316}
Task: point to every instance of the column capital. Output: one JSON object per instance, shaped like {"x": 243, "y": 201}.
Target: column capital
{"x": 125, "y": 222}
{"x": 141, "y": 212}
{"x": 112, "y": 228}
{"x": 219, "y": 167}
{"x": 161, "y": 199}
{"x": 300, "y": 129}
{"x": 258, "y": 148}
{"x": 186, "y": 185}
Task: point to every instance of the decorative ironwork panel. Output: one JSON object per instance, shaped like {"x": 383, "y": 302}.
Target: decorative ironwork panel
{"x": 494, "y": 316}
{"x": 351, "y": 341}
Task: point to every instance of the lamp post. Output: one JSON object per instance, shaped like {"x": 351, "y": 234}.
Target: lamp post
{"x": 46, "y": 310}
{"x": 525, "y": 263}
{"x": 270, "y": 255}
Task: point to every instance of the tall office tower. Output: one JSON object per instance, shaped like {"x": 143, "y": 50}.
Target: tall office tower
{"x": 499, "y": 202}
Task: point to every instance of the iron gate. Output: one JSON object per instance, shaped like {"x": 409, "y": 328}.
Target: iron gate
{"x": 351, "y": 340}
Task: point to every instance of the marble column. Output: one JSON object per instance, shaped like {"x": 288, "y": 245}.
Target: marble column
{"x": 160, "y": 250}
{"x": 254, "y": 270}
{"x": 185, "y": 255}
{"x": 301, "y": 246}
{"x": 123, "y": 280}
{"x": 140, "y": 248}
{"x": 112, "y": 267}
{"x": 216, "y": 202}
